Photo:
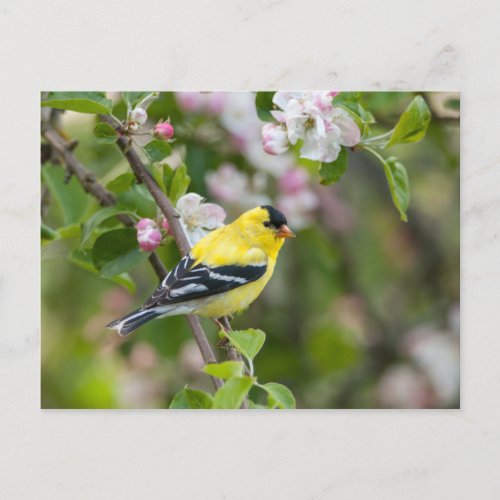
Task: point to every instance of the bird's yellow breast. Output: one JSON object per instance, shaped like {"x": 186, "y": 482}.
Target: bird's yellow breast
{"x": 235, "y": 300}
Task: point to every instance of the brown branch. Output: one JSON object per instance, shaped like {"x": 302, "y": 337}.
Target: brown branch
{"x": 91, "y": 185}
{"x": 64, "y": 149}
{"x": 167, "y": 209}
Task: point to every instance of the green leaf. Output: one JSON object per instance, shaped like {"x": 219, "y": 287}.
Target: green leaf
{"x": 412, "y": 124}
{"x": 191, "y": 399}
{"x": 101, "y": 216}
{"x": 82, "y": 102}
{"x": 121, "y": 183}
{"x": 179, "y": 184}
{"x": 117, "y": 251}
{"x": 349, "y": 101}
{"x": 278, "y": 395}
{"x": 105, "y": 133}
{"x": 83, "y": 261}
{"x": 232, "y": 393}
{"x": 69, "y": 197}
{"x": 47, "y": 233}
{"x": 247, "y": 342}
{"x": 399, "y": 185}
{"x": 333, "y": 171}
{"x": 132, "y": 98}
{"x": 264, "y": 105}
{"x": 397, "y": 178}
{"x": 157, "y": 150}
{"x": 168, "y": 176}
{"x": 138, "y": 201}
{"x": 225, "y": 370}
{"x": 163, "y": 175}
{"x": 71, "y": 231}
{"x": 256, "y": 406}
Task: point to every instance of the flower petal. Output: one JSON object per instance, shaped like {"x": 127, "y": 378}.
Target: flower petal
{"x": 211, "y": 216}
{"x": 188, "y": 204}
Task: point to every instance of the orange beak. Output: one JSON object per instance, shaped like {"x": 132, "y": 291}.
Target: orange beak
{"x": 285, "y": 232}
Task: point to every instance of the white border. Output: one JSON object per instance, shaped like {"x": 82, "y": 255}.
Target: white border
{"x": 237, "y": 45}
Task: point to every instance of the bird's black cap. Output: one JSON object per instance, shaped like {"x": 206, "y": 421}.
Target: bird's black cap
{"x": 276, "y": 218}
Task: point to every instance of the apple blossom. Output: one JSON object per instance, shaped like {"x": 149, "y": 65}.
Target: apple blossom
{"x": 198, "y": 218}
{"x": 236, "y": 188}
{"x": 293, "y": 180}
{"x": 402, "y": 386}
{"x": 138, "y": 116}
{"x": 148, "y": 235}
{"x": 227, "y": 183}
{"x": 436, "y": 353}
{"x": 163, "y": 130}
{"x": 190, "y": 101}
{"x": 299, "y": 207}
{"x": 166, "y": 226}
{"x": 324, "y": 148}
{"x": 210, "y": 102}
{"x": 274, "y": 139}
{"x": 312, "y": 118}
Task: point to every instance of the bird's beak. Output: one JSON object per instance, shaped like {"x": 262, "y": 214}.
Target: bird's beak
{"x": 285, "y": 232}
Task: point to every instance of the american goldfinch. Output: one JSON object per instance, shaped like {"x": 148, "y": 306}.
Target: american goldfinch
{"x": 222, "y": 275}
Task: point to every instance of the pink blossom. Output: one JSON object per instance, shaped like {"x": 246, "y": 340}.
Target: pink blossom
{"x": 148, "y": 235}
{"x": 190, "y": 101}
{"x": 166, "y": 226}
{"x": 350, "y": 134}
{"x": 215, "y": 102}
{"x": 274, "y": 139}
{"x": 402, "y": 386}
{"x": 145, "y": 223}
{"x": 210, "y": 102}
{"x": 302, "y": 111}
{"x": 227, "y": 183}
{"x": 164, "y": 130}
{"x": 437, "y": 354}
{"x": 293, "y": 180}
{"x": 298, "y": 207}
{"x": 312, "y": 118}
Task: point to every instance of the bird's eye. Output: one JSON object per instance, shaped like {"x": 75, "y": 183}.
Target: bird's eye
{"x": 267, "y": 223}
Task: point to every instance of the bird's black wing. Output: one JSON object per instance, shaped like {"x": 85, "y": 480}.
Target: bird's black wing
{"x": 188, "y": 282}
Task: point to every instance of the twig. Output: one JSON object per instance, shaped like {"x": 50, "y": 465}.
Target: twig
{"x": 88, "y": 180}
{"x": 159, "y": 196}
{"x": 168, "y": 211}
{"x": 91, "y": 185}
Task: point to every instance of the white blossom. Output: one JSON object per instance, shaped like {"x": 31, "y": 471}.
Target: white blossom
{"x": 198, "y": 218}
{"x": 312, "y": 118}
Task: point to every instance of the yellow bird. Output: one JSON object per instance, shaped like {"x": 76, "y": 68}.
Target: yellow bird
{"x": 222, "y": 275}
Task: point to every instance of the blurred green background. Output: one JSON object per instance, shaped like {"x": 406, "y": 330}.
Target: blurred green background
{"x": 362, "y": 311}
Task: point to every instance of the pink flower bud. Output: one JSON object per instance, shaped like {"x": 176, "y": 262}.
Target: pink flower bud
{"x": 145, "y": 224}
{"x": 166, "y": 226}
{"x": 138, "y": 115}
{"x": 148, "y": 235}
{"x": 293, "y": 180}
{"x": 163, "y": 130}
{"x": 274, "y": 139}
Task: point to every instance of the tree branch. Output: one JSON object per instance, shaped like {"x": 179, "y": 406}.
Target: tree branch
{"x": 88, "y": 180}
{"x": 163, "y": 203}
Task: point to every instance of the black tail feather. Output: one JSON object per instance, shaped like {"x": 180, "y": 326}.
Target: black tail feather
{"x": 132, "y": 321}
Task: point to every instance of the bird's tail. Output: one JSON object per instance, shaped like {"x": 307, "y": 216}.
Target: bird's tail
{"x": 132, "y": 321}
